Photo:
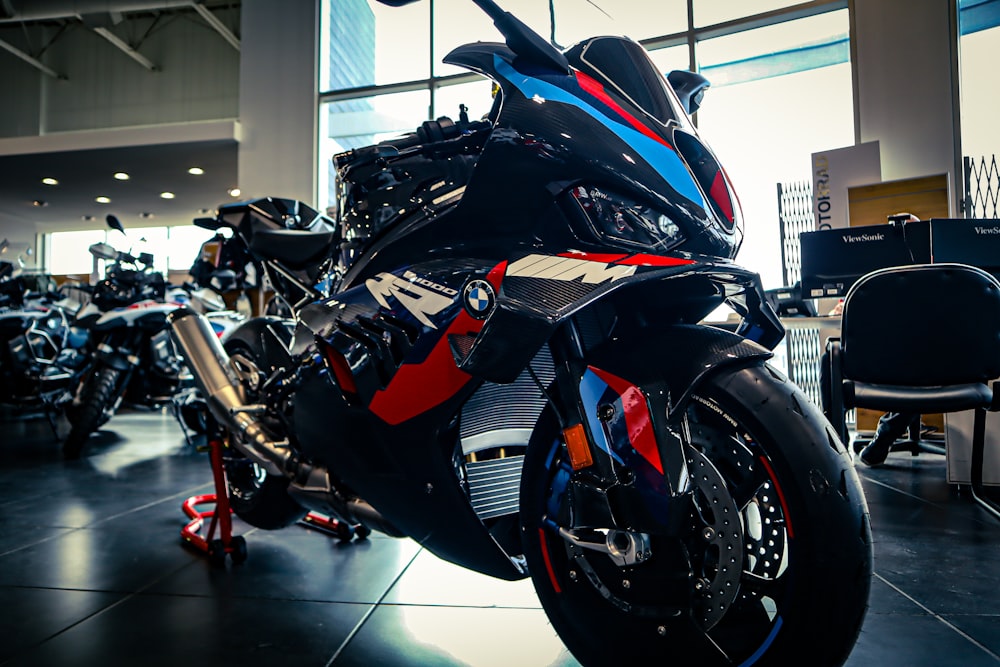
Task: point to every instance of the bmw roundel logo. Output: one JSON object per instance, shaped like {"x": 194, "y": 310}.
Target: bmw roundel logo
{"x": 479, "y": 298}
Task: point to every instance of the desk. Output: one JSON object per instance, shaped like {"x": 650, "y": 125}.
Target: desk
{"x": 958, "y": 443}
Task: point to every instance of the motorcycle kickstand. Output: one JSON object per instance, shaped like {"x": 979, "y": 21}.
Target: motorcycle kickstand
{"x": 220, "y": 517}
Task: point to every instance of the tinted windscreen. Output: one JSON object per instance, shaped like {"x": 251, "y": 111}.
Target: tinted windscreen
{"x": 625, "y": 65}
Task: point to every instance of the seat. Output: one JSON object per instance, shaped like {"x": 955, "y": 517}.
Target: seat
{"x": 921, "y": 338}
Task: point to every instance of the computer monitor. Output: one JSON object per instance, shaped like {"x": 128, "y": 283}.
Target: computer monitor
{"x": 834, "y": 259}
{"x": 967, "y": 241}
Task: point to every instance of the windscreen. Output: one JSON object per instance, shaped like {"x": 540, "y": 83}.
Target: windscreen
{"x": 625, "y": 65}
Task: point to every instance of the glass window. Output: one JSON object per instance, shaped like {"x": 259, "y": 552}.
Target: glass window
{"x": 364, "y": 42}
{"x": 710, "y": 12}
{"x": 979, "y": 45}
{"x": 770, "y": 112}
{"x": 476, "y": 96}
{"x": 184, "y": 245}
{"x": 671, "y": 58}
{"x": 68, "y": 252}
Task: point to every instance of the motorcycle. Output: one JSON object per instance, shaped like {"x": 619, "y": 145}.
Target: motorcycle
{"x": 133, "y": 357}
{"x": 40, "y": 352}
{"x": 513, "y": 369}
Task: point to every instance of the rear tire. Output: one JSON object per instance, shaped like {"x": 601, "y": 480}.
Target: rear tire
{"x": 256, "y": 496}
{"x": 791, "y": 588}
{"x": 98, "y": 395}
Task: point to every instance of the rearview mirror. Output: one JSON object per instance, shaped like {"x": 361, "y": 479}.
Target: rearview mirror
{"x": 690, "y": 88}
{"x": 114, "y": 223}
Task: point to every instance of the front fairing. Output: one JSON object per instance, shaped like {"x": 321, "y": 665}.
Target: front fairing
{"x": 555, "y": 130}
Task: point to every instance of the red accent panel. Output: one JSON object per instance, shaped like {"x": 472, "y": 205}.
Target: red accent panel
{"x": 416, "y": 388}
{"x": 548, "y": 561}
{"x": 720, "y": 195}
{"x": 655, "y": 260}
{"x": 637, "y": 418}
{"x": 781, "y": 496}
{"x": 607, "y": 258}
{"x": 594, "y": 87}
{"x": 341, "y": 371}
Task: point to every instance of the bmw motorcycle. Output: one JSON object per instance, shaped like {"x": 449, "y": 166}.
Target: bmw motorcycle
{"x": 41, "y": 353}
{"x": 513, "y": 369}
{"x": 132, "y": 355}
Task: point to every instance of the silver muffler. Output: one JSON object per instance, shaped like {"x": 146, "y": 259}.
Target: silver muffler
{"x": 218, "y": 382}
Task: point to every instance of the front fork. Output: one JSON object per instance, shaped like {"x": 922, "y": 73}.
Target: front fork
{"x": 627, "y": 473}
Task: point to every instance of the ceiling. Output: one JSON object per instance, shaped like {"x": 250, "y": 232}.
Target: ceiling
{"x": 84, "y": 175}
{"x": 156, "y": 158}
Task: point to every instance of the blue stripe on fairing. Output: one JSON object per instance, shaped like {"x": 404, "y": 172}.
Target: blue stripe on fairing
{"x": 763, "y": 647}
{"x": 592, "y": 388}
{"x": 660, "y": 157}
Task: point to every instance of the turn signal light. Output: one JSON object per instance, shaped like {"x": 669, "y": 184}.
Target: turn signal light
{"x": 578, "y": 447}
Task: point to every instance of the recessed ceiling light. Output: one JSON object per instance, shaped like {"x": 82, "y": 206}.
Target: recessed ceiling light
{"x": 39, "y": 202}
{"x": 102, "y": 200}
{"x": 167, "y": 195}
{"x": 121, "y": 176}
{"x": 88, "y": 218}
{"x": 146, "y": 214}
{"x": 196, "y": 171}
{"x": 234, "y": 192}
{"x": 50, "y": 181}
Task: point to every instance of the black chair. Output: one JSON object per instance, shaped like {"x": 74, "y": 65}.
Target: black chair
{"x": 918, "y": 339}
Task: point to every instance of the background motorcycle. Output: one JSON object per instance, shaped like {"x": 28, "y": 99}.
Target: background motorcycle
{"x": 41, "y": 354}
{"x": 513, "y": 370}
{"x": 133, "y": 357}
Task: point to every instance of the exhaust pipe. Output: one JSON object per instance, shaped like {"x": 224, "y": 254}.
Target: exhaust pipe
{"x": 223, "y": 391}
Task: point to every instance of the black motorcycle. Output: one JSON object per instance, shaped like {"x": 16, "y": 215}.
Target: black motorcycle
{"x": 514, "y": 371}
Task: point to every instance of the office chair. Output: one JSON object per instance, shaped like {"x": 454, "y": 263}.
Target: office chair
{"x": 921, "y": 338}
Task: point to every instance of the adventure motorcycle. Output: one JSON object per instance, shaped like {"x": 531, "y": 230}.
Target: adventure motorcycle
{"x": 133, "y": 357}
{"x": 41, "y": 353}
{"x": 513, "y": 371}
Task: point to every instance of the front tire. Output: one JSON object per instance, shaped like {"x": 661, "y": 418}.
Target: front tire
{"x": 98, "y": 396}
{"x": 789, "y": 582}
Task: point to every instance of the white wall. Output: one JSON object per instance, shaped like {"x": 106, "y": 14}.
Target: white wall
{"x": 905, "y": 80}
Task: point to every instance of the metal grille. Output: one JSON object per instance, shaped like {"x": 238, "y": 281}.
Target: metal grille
{"x": 982, "y": 187}
{"x": 795, "y": 215}
{"x": 804, "y": 352}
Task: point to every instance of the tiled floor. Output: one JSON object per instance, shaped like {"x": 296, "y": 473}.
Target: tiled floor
{"x": 93, "y": 572}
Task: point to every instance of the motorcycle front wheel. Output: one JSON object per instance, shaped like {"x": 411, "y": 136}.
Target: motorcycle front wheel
{"x": 97, "y": 398}
{"x": 772, "y": 562}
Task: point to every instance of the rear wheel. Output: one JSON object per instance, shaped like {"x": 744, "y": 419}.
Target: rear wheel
{"x": 97, "y": 398}
{"x": 256, "y": 496}
{"x": 769, "y": 560}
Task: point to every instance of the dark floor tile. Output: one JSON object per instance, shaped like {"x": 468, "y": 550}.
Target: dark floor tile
{"x": 29, "y": 616}
{"x": 419, "y": 636}
{"x": 168, "y": 631}
{"x": 299, "y": 563}
{"x": 432, "y": 581}
{"x": 984, "y": 629}
{"x": 920, "y": 640}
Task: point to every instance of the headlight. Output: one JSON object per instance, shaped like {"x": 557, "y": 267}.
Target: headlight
{"x": 623, "y": 221}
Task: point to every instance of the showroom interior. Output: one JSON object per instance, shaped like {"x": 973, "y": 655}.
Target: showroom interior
{"x": 828, "y": 116}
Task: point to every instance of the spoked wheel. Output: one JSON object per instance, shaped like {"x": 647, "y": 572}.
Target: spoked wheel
{"x": 766, "y": 559}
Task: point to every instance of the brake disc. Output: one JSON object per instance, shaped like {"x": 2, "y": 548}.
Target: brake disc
{"x": 718, "y": 542}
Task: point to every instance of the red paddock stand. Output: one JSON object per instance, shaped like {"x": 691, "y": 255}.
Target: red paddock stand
{"x": 220, "y": 517}
{"x": 342, "y": 530}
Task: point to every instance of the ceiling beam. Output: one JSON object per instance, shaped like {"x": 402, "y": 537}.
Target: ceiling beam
{"x": 125, "y": 48}
{"x": 34, "y": 62}
{"x": 212, "y": 20}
